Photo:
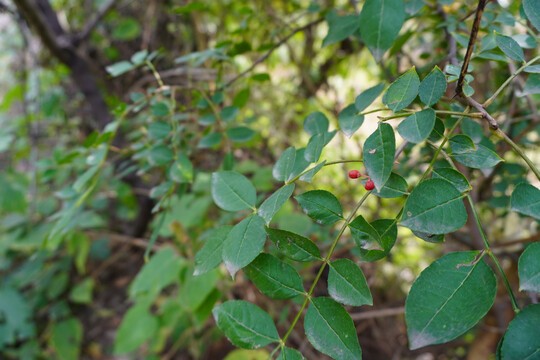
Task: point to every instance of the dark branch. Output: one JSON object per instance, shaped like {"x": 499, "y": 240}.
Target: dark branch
{"x": 41, "y": 17}
{"x": 470, "y": 47}
{"x": 91, "y": 25}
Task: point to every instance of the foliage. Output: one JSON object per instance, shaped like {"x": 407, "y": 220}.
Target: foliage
{"x": 450, "y": 174}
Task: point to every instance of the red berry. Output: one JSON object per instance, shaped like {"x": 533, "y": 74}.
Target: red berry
{"x": 369, "y": 185}
{"x": 354, "y": 174}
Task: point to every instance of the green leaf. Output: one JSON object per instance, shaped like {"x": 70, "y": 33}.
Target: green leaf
{"x": 229, "y": 112}
{"x": 433, "y": 87}
{"x": 526, "y": 200}
{"x": 379, "y": 151}
{"x": 240, "y": 134}
{"x": 349, "y": 120}
{"x": 438, "y": 131}
{"x": 347, "y": 284}
{"x": 417, "y": 127}
{"x": 314, "y": 148}
{"x": 482, "y": 158}
{"x": 316, "y": 123}
{"x": 300, "y": 163}
{"x": 529, "y": 268}
{"x": 340, "y": 28}
{"x": 432, "y": 238}
{"x": 195, "y": 289}
{"x": 367, "y": 97}
{"x": 474, "y": 156}
{"x": 274, "y": 202}
{"x": 66, "y": 338}
{"x": 85, "y": 178}
{"x": 532, "y": 85}
{"x": 461, "y": 144}
{"x": 472, "y": 129}
{"x": 137, "y": 327}
{"x": 181, "y": 171}
{"x": 449, "y": 297}
{"x": 159, "y": 109}
{"x": 193, "y": 6}
{"x": 330, "y": 329}
{"x": 119, "y": 68}
{"x": 454, "y": 177}
{"x": 160, "y": 155}
{"x": 289, "y": 354}
{"x": 241, "y": 98}
{"x": 284, "y": 166}
{"x": 159, "y": 129}
{"x": 244, "y": 243}
{"x": 245, "y": 325}
{"x": 434, "y": 206}
{"x": 532, "y": 69}
{"x": 82, "y": 292}
{"x": 321, "y": 205}
{"x": 531, "y": 10}
{"x": 126, "y": 29}
{"x": 210, "y": 255}
{"x": 294, "y": 246}
{"x": 387, "y": 229}
{"x": 396, "y": 186}
{"x": 232, "y": 191}
{"x": 380, "y": 22}
{"x": 139, "y": 57}
{"x": 521, "y": 340}
{"x": 210, "y": 140}
{"x": 510, "y": 47}
{"x": 207, "y": 119}
{"x": 161, "y": 271}
{"x": 309, "y": 174}
{"x": 403, "y": 91}
{"x": 363, "y": 234}
{"x": 240, "y": 354}
{"x": 274, "y": 278}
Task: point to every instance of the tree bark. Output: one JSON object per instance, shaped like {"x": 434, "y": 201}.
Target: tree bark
{"x": 42, "y": 18}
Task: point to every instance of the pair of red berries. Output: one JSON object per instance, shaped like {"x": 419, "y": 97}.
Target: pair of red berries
{"x": 355, "y": 174}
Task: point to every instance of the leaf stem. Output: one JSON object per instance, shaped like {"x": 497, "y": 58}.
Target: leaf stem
{"x": 445, "y": 139}
{"x": 493, "y": 257}
{"x": 445, "y": 112}
{"x": 492, "y": 98}
{"x": 325, "y": 262}
{"x": 374, "y": 111}
{"x": 518, "y": 150}
{"x": 487, "y": 246}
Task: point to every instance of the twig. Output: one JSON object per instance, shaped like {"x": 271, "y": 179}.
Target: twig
{"x": 516, "y": 73}
{"x": 121, "y": 238}
{"x": 83, "y": 35}
{"x": 492, "y": 122}
{"x": 518, "y": 150}
{"x": 269, "y": 52}
{"x": 470, "y": 47}
{"x": 378, "y": 313}
{"x": 535, "y": 237}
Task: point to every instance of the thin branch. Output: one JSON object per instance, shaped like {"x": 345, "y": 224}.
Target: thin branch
{"x": 516, "y": 73}
{"x": 470, "y": 47}
{"x": 269, "y": 52}
{"x": 91, "y": 25}
{"x": 378, "y": 313}
{"x": 492, "y": 122}
{"x": 535, "y": 237}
